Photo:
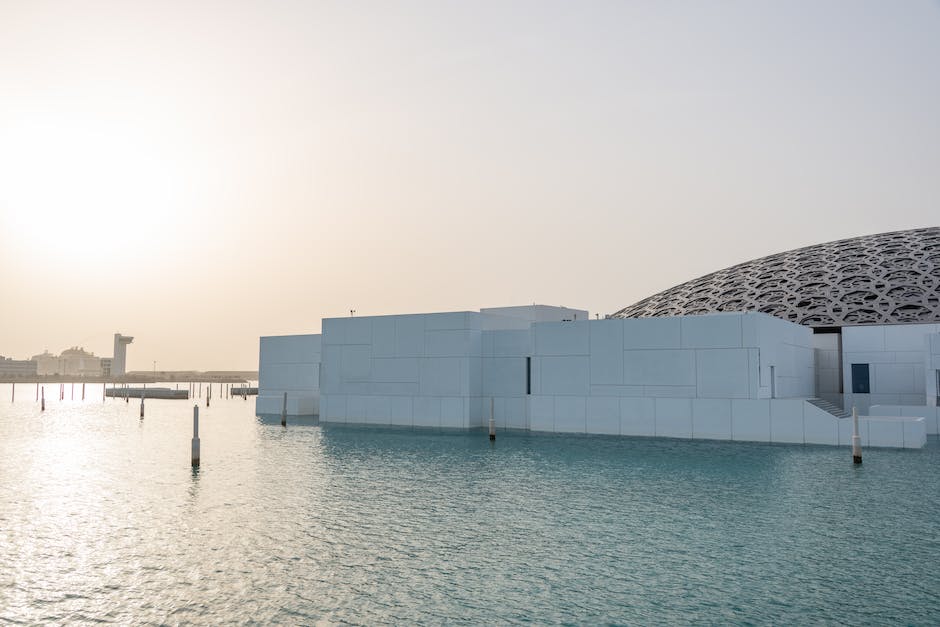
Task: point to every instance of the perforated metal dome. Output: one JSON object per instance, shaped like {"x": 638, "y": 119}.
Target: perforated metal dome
{"x": 877, "y": 279}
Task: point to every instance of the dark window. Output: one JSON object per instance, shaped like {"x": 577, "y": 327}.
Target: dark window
{"x": 860, "y": 379}
{"x": 528, "y": 375}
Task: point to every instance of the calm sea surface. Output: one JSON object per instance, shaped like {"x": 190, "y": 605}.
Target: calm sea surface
{"x": 103, "y": 520}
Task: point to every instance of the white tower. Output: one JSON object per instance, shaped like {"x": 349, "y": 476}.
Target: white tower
{"x": 119, "y": 363}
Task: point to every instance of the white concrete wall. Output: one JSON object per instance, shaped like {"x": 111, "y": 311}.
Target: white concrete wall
{"x": 410, "y": 370}
{"x": 932, "y": 367}
{"x": 828, "y": 362}
{"x": 897, "y": 356}
{"x": 538, "y": 313}
{"x": 291, "y": 364}
{"x": 653, "y": 376}
{"x": 504, "y": 377}
{"x": 930, "y": 414}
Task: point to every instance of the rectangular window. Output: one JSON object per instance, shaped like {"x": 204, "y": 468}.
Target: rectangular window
{"x": 528, "y": 375}
{"x": 860, "y": 383}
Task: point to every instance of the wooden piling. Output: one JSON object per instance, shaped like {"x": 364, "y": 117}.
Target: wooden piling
{"x": 284, "y": 411}
{"x": 195, "y": 443}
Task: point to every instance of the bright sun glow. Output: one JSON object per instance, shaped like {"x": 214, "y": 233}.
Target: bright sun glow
{"x": 84, "y": 186}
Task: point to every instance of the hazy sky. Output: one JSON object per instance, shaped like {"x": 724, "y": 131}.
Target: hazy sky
{"x": 198, "y": 174}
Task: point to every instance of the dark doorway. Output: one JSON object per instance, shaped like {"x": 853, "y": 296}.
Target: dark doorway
{"x": 860, "y": 384}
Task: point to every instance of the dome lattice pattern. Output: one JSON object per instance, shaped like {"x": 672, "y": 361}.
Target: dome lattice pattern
{"x": 876, "y": 279}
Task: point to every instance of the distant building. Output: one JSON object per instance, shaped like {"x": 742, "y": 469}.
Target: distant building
{"x": 78, "y": 362}
{"x": 17, "y": 367}
{"x": 46, "y": 363}
{"x": 119, "y": 361}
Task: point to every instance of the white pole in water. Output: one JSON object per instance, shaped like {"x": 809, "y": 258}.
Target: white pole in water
{"x": 284, "y": 411}
{"x": 142, "y": 395}
{"x": 492, "y": 421}
{"x": 13, "y": 393}
{"x": 208, "y": 393}
{"x": 856, "y": 439}
{"x": 83, "y": 391}
{"x": 43, "y": 406}
{"x": 37, "y": 391}
{"x": 195, "y": 436}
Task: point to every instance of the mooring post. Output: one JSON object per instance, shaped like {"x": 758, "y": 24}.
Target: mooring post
{"x": 104, "y": 391}
{"x": 73, "y": 391}
{"x": 492, "y": 420}
{"x": 13, "y": 393}
{"x": 208, "y": 394}
{"x": 284, "y": 411}
{"x": 83, "y": 391}
{"x": 200, "y": 389}
{"x": 195, "y": 436}
{"x": 43, "y": 406}
{"x": 856, "y": 439}
{"x": 126, "y": 397}
{"x": 37, "y": 391}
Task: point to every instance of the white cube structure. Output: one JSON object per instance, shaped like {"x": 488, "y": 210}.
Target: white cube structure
{"x": 289, "y": 364}
{"x": 726, "y": 376}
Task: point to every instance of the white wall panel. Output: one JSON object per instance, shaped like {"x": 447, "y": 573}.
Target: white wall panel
{"x": 669, "y": 391}
{"x": 357, "y": 330}
{"x": 750, "y": 420}
{"x": 510, "y": 343}
{"x": 674, "y": 417}
{"x": 400, "y": 410}
{"x": 606, "y": 339}
{"x": 603, "y": 415}
{"x": 452, "y": 413}
{"x": 618, "y": 390}
{"x": 863, "y": 339}
{"x": 504, "y": 376}
{"x": 711, "y": 331}
{"x": 409, "y": 336}
{"x": 440, "y": 376}
{"x": 711, "y": 418}
{"x": 722, "y": 373}
{"x": 819, "y": 427}
{"x": 447, "y": 343}
{"x": 637, "y": 416}
{"x": 446, "y": 321}
{"x": 570, "y": 414}
{"x": 383, "y": 336}
{"x": 893, "y": 379}
{"x": 356, "y": 408}
{"x": 395, "y": 370}
{"x": 786, "y": 421}
{"x": 659, "y": 367}
{"x": 378, "y": 410}
{"x": 356, "y": 362}
{"x": 427, "y": 411}
{"x": 564, "y": 375}
{"x": 562, "y": 338}
{"x": 542, "y": 413}
{"x": 651, "y": 333}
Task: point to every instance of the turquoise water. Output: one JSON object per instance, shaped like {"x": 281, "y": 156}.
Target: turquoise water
{"x": 103, "y": 519}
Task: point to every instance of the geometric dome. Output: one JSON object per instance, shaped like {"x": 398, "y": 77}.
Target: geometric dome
{"x": 876, "y": 279}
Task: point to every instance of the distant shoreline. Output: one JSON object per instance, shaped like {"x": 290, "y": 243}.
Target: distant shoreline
{"x": 237, "y": 376}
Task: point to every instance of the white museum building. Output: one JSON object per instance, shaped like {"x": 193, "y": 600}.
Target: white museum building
{"x": 774, "y": 350}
